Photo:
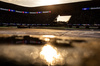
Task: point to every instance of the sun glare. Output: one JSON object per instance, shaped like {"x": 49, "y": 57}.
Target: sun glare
{"x": 49, "y": 2}
{"x": 49, "y": 36}
{"x": 49, "y": 54}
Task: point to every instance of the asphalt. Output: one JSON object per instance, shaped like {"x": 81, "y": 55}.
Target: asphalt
{"x": 84, "y": 50}
{"x": 92, "y": 33}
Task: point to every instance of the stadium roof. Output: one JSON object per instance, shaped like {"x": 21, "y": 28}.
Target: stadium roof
{"x": 35, "y": 3}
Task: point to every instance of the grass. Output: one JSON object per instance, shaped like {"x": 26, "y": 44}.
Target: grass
{"x": 59, "y": 28}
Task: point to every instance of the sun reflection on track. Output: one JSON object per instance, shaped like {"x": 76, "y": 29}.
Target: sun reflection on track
{"x": 50, "y": 54}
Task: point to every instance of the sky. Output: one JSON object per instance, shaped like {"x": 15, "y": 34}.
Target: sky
{"x": 35, "y": 3}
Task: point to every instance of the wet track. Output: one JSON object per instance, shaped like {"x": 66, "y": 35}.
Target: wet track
{"x": 66, "y": 32}
{"x": 49, "y": 47}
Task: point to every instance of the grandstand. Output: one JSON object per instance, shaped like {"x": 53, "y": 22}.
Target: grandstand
{"x": 82, "y": 13}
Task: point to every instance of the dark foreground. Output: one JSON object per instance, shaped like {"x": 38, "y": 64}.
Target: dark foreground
{"x": 21, "y": 47}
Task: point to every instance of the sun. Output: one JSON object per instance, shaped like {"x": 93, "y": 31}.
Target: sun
{"x": 49, "y": 2}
